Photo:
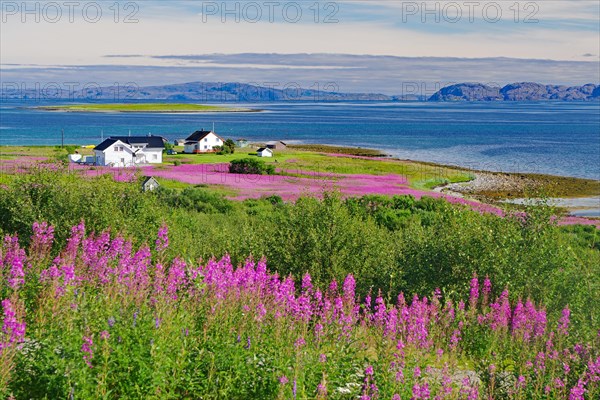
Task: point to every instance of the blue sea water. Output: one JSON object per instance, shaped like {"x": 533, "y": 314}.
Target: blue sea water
{"x": 554, "y": 138}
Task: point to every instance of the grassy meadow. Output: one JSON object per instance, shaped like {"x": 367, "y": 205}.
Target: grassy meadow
{"x": 111, "y": 292}
{"x": 142, "y": 107}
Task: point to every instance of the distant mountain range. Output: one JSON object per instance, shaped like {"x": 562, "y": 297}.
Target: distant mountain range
{"x": 523, "y": 91}
{"x": 241, "y": 92}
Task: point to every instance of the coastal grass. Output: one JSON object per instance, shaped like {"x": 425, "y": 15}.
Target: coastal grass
{"x": 141, "y": 107}
{"x": 323, "y": 148}
{"x": 296, "y": 160}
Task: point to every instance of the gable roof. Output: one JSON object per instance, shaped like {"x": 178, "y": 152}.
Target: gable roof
{"x": 149, "y": 179}
{"x": 199, "y": 135}
{"x": 150, "y": 141}
{"x": 263, "y": 149}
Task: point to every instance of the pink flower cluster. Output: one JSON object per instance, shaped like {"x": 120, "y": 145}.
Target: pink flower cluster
{"x": 12, "y": 262}
{"x": 13, "y": 331}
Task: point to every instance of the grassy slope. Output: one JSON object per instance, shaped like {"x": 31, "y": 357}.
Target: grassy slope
{"x": 292, "y": 161}
{"x": 145, "y": 107}
{"x": 423, "y": 176}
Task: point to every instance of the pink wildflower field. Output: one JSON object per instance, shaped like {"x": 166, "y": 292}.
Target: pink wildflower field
{"x": 121, "y": 321}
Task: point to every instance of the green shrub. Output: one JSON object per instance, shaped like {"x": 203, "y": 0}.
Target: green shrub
{"x": 251, "y": 166}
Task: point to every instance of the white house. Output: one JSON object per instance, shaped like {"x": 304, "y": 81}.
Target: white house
{"x": 127, "y": 151}
{"x": 264, "y": 152}
{"x": 202, "y": 142}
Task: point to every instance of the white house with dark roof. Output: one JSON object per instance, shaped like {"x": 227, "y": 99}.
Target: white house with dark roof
{"x": 128, "y": 151}
{"x": 202, "y": 142}
{"x": 264, "y": 152}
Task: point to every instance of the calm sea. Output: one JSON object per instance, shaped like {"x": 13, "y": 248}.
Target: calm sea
{"x": 552, "y": 138}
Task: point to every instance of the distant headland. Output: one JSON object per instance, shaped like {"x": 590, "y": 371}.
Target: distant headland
{"x": 242, "y": 92}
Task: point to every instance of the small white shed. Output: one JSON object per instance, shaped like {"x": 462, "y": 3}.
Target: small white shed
{"x": 264, "y": 152}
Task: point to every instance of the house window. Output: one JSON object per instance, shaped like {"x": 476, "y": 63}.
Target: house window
{"x": 206, "y": 139}
{"x": 154, "y": 157}
{"x": 123, "y": 161}
{"x": 205, "y": 147}
{"x": 218, "y": 140}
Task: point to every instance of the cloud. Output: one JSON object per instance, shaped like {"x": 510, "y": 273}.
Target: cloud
{"x": 374, "y": 27}
{"x": 348, "y": 72}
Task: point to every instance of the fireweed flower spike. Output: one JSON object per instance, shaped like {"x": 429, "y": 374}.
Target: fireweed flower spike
{"x": 474, "y": 294}
{"x": 14, "y": 261}
{"x": 86, "y": 349}
{"x": 563, "y": 323}
{"x": 13, "y": 331}
{"x": 162, "y": 242}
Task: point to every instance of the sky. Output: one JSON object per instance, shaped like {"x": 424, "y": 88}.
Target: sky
{"x": 357, "y": 44}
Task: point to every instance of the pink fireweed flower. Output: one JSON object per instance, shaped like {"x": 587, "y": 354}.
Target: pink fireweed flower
{"x": 307, "y": 286}
{"x": 439, "y": 353}
{"x": 474, "y": 294}
{"x": 261, "y": 311}
{"x": 417, "y": 372}
{"x": 77, "y": 234}
{"x": 42, "y": 239}
{"x": 322, "y": 390}
{"x": 578, "y": 391}
{"x": 563, "y": 323}
{"x": 487, "y": 289}
{"x": 86, "y": 349}
{"x": 14, "y": 260}
{"x": 104, "y": 335}
{"x": 540, "y": 363}
{"x": 283, "y": 380}
{"x": 369, "y": 370}
{"x": 177, "y": 278}
{"x": 299, "y": 342}
{"x": 500, "y": 313}
{"x": 400, "y": 376}
{"x": 420, "y": 391}
{"x": 594, "y": 370}
{"x": 333, "y": 287}
{"x": 380, "y": 315}
{"x": 540, "y": 323}
{"x": 322, "y": 358}
{"x": 13, "y": 331}
{"x": 162, "y": 242}
{"x": 349, "y": 288}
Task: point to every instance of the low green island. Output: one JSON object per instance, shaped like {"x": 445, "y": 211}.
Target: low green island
{"x": 144, "y": 108}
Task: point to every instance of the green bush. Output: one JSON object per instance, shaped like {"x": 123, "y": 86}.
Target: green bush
{"x": 251, "y": 166}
